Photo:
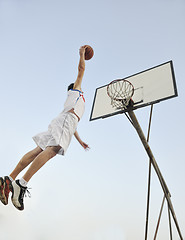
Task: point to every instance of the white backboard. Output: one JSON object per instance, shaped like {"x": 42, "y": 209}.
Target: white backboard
{"x": 150, "y": 86}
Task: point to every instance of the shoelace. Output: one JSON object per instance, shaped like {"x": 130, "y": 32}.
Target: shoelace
{"x": 25, "y": 192}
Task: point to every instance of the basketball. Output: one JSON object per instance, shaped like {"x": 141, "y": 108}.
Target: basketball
{"x": 89, "y": 52}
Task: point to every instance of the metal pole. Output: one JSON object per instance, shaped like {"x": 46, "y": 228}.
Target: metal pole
{"x": 170, "y": 223}
{"x": 148, "y": 200}
{"x": 159, "y": 218}
{"x": 154, "y": 163}
{"x": 149, "y": 177}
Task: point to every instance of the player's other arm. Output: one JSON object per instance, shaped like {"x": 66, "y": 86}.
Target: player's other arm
{"x": 81, "y": 69}
{"x": 83, "y": 144}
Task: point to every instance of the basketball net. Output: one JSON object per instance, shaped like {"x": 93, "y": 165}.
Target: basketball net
{"x": 120, "y": 91}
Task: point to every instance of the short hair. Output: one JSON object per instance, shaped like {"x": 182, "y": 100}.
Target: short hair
{"x": 70, "y": 86}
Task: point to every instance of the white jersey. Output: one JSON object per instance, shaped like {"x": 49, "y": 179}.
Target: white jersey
{"x": 76, "y": 101}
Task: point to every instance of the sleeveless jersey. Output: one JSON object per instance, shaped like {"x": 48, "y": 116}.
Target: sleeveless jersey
{"x": 76, "y": 101}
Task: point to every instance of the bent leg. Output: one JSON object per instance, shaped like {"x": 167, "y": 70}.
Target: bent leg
{"x": 25, "y": 161}
{"x": 40, "y": 160}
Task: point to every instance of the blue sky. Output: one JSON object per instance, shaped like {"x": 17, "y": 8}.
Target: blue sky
{"x": 100, "y": 194}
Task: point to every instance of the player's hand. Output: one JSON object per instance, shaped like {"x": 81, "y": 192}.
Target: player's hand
{"x": 82, "y": 50}
{"x": 85, "y": 146}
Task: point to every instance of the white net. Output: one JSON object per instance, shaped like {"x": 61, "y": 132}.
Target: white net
{"x": 120, "y": 91}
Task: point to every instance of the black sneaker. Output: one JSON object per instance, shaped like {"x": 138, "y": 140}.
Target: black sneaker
{"x": 18, "y": 193}
{"x": 5, "y": 189}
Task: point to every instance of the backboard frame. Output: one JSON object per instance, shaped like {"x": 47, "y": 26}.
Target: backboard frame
{"x": 175, "y": 94}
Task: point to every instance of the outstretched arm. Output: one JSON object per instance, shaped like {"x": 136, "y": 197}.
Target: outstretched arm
{"x": 84, "y": 145}
{"x": 81, "y": 69}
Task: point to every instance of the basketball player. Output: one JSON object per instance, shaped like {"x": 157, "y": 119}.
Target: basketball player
{"x": 54, "y": 141}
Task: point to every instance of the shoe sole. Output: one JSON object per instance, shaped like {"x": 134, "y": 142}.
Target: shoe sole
{"x": 7, "y": 188}
{"x": 2, "y": 193}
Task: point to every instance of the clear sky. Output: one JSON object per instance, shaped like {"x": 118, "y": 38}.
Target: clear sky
{"x": 99, "y": 194}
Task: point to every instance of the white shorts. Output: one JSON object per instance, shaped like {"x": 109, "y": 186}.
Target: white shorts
{"x": 60, "y": 132}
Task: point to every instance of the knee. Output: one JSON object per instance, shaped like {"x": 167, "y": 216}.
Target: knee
{"x": 22, "y": 163}
{"x": 38, "y": 150}
{"x": 53, "y": 150}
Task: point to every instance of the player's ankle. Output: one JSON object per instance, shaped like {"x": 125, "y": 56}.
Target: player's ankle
{"x": 22, "y": 182}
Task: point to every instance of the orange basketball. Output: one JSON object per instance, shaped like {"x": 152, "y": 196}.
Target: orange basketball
{"x": 89, "y": 52}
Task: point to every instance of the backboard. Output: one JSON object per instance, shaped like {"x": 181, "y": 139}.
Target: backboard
{"x": 150, "y": 86}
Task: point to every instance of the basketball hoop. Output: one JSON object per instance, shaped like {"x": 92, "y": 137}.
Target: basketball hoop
{"x": 120, "y": 91}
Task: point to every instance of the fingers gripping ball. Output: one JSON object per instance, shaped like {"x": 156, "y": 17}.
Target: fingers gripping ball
{"x": 89, "y": 52}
